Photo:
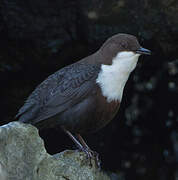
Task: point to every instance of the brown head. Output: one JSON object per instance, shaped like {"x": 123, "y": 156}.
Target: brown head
{"x": 121, "y": 43}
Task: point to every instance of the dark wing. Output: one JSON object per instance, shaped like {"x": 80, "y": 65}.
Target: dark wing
{"x": 59, "y": 92}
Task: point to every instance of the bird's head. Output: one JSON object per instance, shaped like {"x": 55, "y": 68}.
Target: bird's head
{"x": 123, "y": 46}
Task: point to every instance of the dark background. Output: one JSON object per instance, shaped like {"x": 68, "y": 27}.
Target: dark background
{"x": 39, "y": 37}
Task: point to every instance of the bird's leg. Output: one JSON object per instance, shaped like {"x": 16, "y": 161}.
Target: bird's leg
{"x": 90, "y": 153}
{"x": 83, "y": 147}
{"x": 82, "y": 141}
{"x": 77, "y": 143}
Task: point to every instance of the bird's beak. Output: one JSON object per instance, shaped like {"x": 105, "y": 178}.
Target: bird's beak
{"x": 143, "y": 51}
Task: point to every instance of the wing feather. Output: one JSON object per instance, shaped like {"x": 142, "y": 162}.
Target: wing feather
{"x": 59, "y": 92}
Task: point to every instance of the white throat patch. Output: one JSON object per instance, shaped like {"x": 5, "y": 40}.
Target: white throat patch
{"x": 112, "y": 78}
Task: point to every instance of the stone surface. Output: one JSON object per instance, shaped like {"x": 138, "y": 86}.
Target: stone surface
{"x": 23, "y": 157}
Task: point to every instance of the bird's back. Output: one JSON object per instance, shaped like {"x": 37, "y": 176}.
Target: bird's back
{"x": 59, "y": 92}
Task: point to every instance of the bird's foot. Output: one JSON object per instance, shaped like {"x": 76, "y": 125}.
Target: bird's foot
{"x": 92, "y": 155}
{"x": 82, "y": 146}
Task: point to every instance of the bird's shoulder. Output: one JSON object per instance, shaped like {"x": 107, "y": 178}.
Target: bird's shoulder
{"x": 67, "y": 80}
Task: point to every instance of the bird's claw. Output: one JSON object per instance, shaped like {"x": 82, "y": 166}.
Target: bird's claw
{"x": 92, "y": 155}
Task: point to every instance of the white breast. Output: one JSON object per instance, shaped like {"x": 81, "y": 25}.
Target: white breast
{"x": 112, "y": 78}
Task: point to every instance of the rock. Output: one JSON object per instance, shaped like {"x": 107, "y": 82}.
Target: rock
{"x": 23, "y": 157}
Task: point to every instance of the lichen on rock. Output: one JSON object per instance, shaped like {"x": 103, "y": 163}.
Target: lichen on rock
{"x": 23, "y": 157}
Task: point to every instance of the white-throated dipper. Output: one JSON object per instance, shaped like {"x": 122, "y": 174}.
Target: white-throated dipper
{"x": 83, "y": 97}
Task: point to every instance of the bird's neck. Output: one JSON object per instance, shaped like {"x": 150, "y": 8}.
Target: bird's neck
{"x": 112, "y": 78}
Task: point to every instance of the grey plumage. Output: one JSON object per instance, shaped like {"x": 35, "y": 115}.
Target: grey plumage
{"x": 59, "y": 92}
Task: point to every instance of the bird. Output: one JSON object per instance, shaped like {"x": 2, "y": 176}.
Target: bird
{"x": 85, "y": 96}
